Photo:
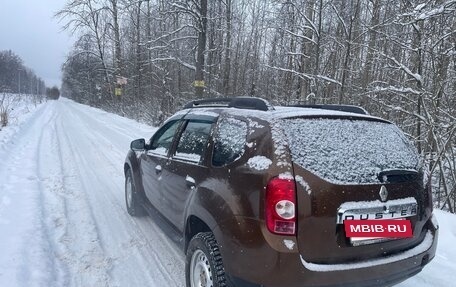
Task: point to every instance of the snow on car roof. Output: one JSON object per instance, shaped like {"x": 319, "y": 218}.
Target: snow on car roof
{"x": 279, "y": 112}
{"x": 291, "y": 112}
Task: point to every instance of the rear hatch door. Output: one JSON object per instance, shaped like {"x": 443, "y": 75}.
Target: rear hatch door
{"x": 343, "y": 167}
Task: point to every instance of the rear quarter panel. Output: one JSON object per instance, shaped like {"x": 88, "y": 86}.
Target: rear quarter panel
{"x": 230, "y": 201}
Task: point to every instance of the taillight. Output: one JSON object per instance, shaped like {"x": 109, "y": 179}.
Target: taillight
{"x": 280, "y": 208}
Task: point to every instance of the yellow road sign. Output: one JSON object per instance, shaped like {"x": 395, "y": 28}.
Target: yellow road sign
{"x": 199, "y": 84}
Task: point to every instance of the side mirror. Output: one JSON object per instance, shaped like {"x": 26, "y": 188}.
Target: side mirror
{"x": 139, "y": 144}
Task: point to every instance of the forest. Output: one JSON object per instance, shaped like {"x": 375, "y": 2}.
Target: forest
{"x": 17, "y": 78}
{"x": 145, "y": 59}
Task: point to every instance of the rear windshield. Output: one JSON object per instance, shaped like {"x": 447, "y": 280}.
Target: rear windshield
{"x": 348, "y": 151}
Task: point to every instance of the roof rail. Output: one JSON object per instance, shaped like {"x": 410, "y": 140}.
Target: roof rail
{"x": 341, "y": 108}
{"x": 250, "y": 103}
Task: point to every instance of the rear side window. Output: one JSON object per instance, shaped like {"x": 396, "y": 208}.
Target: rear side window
{"x": 230, "y": 140}
{"x": 348, "y": 151}
{"x": 193, "y": 140}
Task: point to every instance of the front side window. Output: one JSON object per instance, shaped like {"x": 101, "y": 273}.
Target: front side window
{"x": 193, "y": 140}
{"x": 229, "y": 142}
{"x": 163, "y": 139}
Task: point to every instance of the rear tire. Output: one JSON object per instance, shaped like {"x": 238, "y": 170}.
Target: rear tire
{"x": 133, "y": 199}
{"x": 203, "y": 264}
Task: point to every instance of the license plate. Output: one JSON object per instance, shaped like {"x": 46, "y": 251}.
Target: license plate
{"x": 390, "y": 228}
{"x": 360, "y": 231}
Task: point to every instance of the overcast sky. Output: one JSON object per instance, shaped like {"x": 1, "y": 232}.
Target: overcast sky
{"x": 28, "y": 28}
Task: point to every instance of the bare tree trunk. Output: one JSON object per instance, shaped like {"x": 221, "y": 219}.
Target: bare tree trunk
{"x": 138, "y": 50}
{"x": 291, "y": 49}
{"x": 199, "y": 74}
{"x": 366, "y": 76}
{"x": 417, "y": 62}
{"x": 318, "y": 47}
{"x": 149, "y": 44}
{"x": 118, "y": 53}
{"x": 227, "y": 70}
{"x": 306, "y": 49}
{"x": 346, "y": 63}
{"x": 95, "y": 18}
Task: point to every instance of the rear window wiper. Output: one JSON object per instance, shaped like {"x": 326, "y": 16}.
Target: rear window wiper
{"x": 397, "y": 175}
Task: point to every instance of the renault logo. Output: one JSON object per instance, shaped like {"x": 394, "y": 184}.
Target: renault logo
{"x": 383, "y": 193}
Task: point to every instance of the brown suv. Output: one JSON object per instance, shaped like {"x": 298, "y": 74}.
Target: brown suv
{"x": 261, "y": 193}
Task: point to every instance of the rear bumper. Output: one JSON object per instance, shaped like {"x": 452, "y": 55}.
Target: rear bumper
{"x": 385, "y": 271}
{"x": 290, "y": 270}
{"x": 393, "y": 279}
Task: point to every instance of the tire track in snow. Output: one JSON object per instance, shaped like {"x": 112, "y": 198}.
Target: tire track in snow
{"x": 42, "y": 270}
{"x": 54, "y": 207}
{"x": 85, "y": 254}
{"x": 121, "y": 208}
{"x": 149, "y": 264}
{"x": 28, "y": 252}
{"x": 44, "y": 144}
{"x": 117, "y": 168}
{"x": 122, "y": 126}
{"x": 78, "y": 231}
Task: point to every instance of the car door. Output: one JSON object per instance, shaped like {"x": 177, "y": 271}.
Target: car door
{"x": 184, "y": 171}
{"x": 154, "y": 159}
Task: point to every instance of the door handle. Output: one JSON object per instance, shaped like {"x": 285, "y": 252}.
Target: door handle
{"x": 190, "y": 181}
{"x": 158, "y": 169}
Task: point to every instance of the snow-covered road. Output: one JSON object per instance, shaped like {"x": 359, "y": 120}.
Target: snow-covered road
{"x": 63, "y": 220}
